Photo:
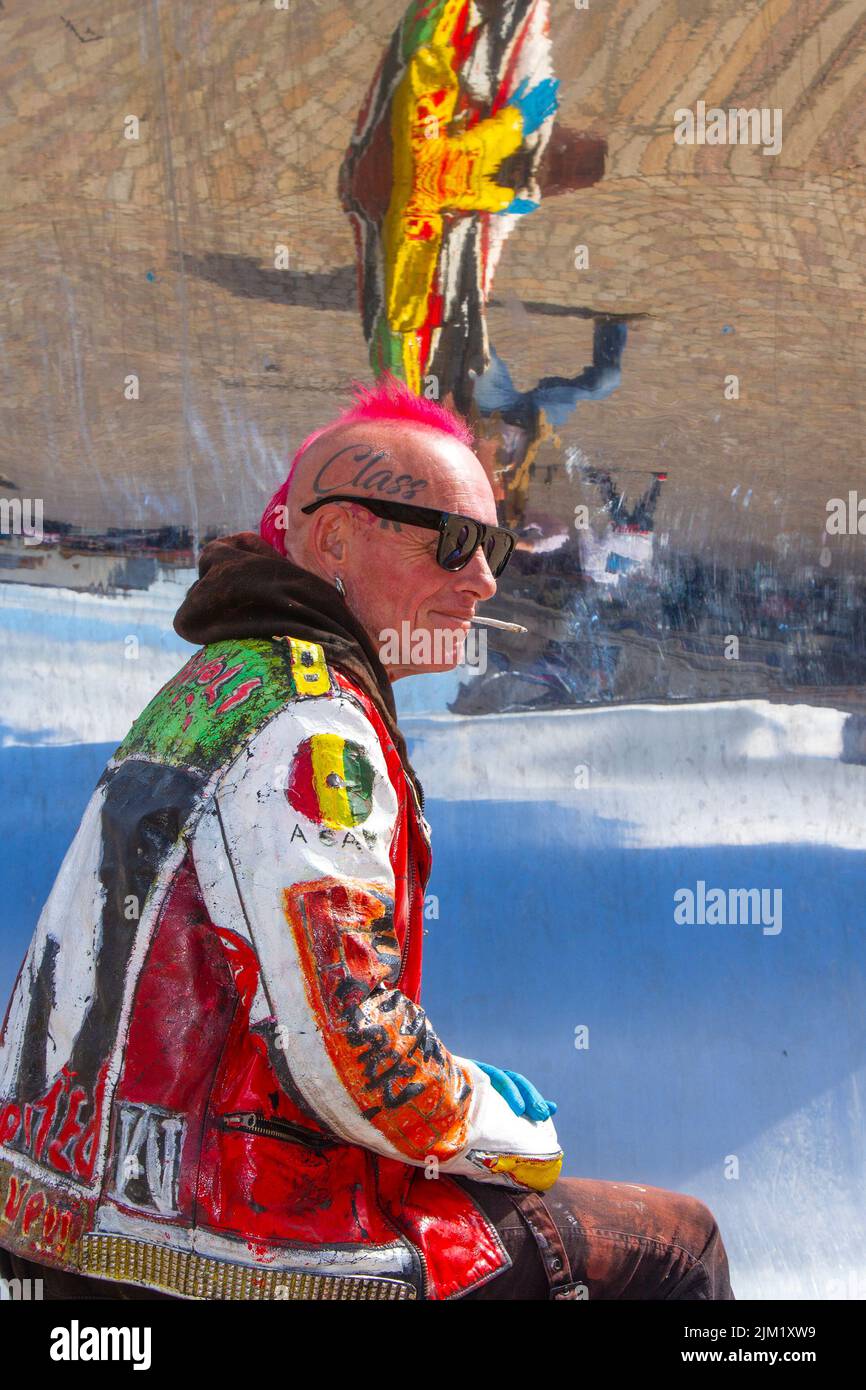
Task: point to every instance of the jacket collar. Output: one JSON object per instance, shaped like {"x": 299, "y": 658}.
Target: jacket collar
{"x": 245, "y": 589}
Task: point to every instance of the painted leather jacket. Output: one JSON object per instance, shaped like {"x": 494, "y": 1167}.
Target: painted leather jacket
{"x": 215, "y": 1075}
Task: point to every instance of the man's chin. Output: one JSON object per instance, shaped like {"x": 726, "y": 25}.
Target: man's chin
{"x": 439, "y": 670}
{"x": 401, "y": 673}
{"x": 423, "y": 651}
{"x": 396, "y": 673}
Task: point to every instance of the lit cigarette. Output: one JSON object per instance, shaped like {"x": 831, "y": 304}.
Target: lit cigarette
{"x": 497, "y": 622}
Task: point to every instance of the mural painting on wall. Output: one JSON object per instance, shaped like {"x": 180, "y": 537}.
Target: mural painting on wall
{"x": 458, "y": 138}
{"x": 456, "y": 141}
{"x": 452, "y": 147}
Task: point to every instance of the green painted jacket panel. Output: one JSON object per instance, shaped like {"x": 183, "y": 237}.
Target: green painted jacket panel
{"x": 205, "y": 714}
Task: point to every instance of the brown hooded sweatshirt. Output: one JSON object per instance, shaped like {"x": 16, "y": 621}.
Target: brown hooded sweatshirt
{"x": 245, "y": 589}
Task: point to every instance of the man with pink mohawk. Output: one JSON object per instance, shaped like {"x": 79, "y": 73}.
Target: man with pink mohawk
{"x": 215, "y": 1072}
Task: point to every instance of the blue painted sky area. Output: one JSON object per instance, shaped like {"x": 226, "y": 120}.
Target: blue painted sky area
{"x": 54, "y": 627}
{"x": 45, "y": 792}
{"x": 707, "y": 1043}
{"x": 534, "y": 939}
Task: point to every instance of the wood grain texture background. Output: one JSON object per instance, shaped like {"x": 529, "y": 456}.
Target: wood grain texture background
{"x": 156, "y": 256}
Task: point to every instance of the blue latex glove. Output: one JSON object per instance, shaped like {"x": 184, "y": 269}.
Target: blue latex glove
{"x": 520, "y": 1094}
{"x": 519, "y": 205}
{"x": 536, "y": 103}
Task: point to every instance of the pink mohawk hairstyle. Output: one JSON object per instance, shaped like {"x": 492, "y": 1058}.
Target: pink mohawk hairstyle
{"x": 389, "y": 399}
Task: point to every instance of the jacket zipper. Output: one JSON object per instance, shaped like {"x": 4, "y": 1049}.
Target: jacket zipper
{"x": 248, "y": 1122}
{"x": 418, "y": 797}
{"x": 412, "y": 875}
{"x": 405, "y": 951}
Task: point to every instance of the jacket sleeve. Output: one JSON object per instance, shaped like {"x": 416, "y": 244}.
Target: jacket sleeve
{"x": 293, "y": 854}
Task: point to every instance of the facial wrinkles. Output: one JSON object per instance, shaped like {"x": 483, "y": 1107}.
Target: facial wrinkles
{"x": 413, "y": 540}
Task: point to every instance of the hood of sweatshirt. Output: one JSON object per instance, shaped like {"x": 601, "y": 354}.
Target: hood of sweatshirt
{"x": 245, "y": 589}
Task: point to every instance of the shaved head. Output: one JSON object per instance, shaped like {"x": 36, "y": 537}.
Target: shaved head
{"x": 383, "y": 459}
{"x": 418, "y": 455}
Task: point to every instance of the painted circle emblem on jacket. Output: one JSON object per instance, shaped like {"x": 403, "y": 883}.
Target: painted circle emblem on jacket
{"x": 331, "y": 781}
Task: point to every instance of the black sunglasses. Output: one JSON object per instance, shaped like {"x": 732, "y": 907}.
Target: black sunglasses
{"x": 459, "y": 536}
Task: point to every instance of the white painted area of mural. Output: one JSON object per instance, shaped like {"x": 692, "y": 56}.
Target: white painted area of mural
{"x": 80, "y": 667}
{"x": 735, "y": 773}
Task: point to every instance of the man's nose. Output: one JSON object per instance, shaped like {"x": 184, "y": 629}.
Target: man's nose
{"x": 477, "y": 576}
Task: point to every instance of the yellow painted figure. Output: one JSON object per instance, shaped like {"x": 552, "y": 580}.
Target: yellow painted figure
{"x": 435, "y": 170}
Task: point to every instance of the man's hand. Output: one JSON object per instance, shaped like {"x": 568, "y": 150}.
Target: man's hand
{"x": 520, "y": 1094}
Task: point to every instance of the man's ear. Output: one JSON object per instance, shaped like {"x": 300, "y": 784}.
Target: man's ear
{"x": 328, "y": 538}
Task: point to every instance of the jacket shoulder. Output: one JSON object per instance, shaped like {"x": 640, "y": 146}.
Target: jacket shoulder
{"x": 227, "y": 690}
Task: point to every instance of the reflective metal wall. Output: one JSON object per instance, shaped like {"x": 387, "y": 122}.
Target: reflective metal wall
{"x": 644, "y": 289}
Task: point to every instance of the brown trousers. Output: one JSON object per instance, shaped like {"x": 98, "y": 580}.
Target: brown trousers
{"x": 604, "y": 1240}
{"x": 583, "y": 1240}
